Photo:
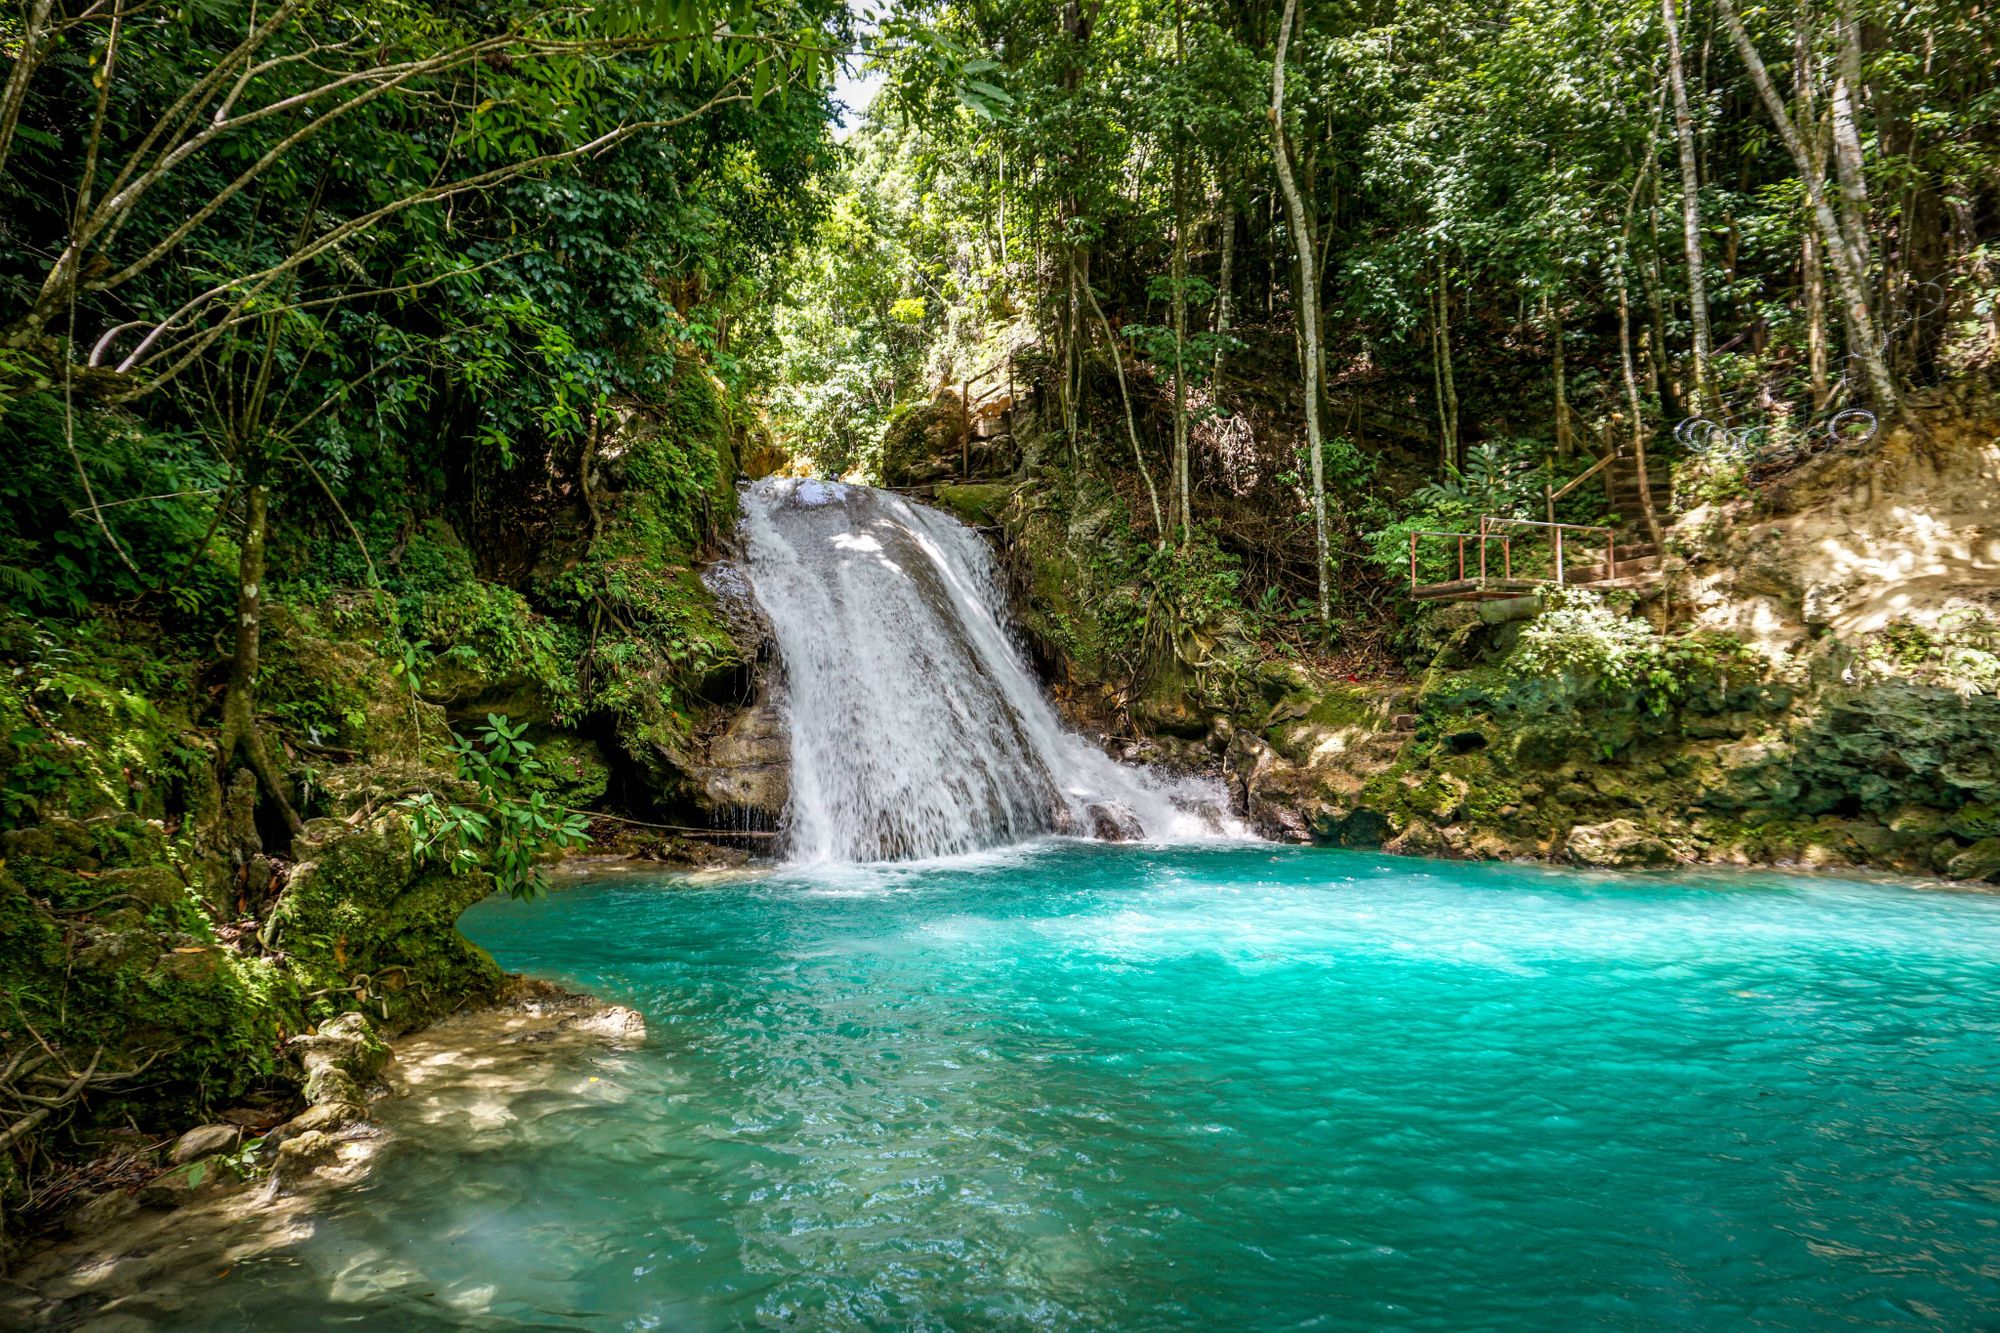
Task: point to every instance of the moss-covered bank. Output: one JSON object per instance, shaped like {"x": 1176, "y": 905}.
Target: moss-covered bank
{"x": 164, "y": 938}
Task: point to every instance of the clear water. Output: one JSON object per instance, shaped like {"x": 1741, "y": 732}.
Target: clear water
{"x": 1078, "y": 1086}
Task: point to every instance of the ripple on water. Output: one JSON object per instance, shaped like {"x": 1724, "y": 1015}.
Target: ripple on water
{"x": 1087, "y": 1086}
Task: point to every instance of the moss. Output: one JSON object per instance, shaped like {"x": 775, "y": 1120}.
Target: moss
{"x": 674, "y": 471}
{"x": 980, "y": 504}
{"x": 922, "y": 442}
{"x": 573, "y": 771}
{"x": 359, "y": 920}
{"x": 491, "y": 652}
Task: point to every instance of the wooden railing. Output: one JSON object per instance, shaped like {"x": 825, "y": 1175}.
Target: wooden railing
{"x": 1492, "y": 530}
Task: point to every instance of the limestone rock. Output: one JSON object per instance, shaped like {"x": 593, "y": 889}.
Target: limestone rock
{"x": 325, "y": 1118}
{"x": 204, "y": 1141}
{"x": 1616, "y": 843}
{"x": 330, "y": 1083}
{"x": 1979, "y": 861}
{"x": 299, "y": 1155}
{"x": 358, "y": 904}
{"x": 98, "y": 1211}
{"x": 748, "y": 767}
{"x": 923, "y": 442}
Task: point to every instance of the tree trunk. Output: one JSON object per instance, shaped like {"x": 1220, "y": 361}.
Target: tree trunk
{"x": 1632, "y": 404}
{"x": 1659, "y": 368}
{"x": 1299, "y": 224}
{"x": 1131, "y": 425}
{"x": 1181, "y": 482}
{"x": 1849, "y": 271}
{"x": 239, "y": 704}
{"x": 1812, "y": 265}
{"x": 1690, "y": 211}
{"x": 1454, "y": 445}
{"x": 1565, "y": 444}
{"x": 1437, "y": 382}
{"x": 1225, "y": 283}
{"x": 1814, "y": 273}
{"x": 1847, "y": 162}
{"x": 34, "y": 33}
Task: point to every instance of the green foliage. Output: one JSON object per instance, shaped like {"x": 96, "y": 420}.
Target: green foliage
{"x": 506, "y": 825}
{"x": 1961, "y": 651}
{"x": 1581, "y": 636}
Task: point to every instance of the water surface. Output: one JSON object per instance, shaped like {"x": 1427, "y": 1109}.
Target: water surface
{"x": 1253, "y": 1087}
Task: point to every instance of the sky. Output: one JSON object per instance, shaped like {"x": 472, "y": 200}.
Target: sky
{"x": 855, "y": 88}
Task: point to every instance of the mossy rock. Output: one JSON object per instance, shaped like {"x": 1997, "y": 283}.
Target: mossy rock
{"x": 979, "y": 504}
{"x": 573, "y": 770}
{"x": 922, "y": 442}
{"x": 359, "y": 906}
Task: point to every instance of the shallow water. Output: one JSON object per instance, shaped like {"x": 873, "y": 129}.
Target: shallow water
{"x": 1088, "y": 1086}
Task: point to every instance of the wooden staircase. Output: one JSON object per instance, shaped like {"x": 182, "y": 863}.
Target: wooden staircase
{"x": 1621, "y": 488}
{"x": 1621, "y": 555}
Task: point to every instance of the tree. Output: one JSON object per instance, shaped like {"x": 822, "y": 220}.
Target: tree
{"x": 1690, "y": 207}
{"x": 1308, "y": 276}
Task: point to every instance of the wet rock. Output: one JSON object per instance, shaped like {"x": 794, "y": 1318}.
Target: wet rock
{"x": 1112, "y": 822}
{"x": 300, "y": 1155}
{"x": 341, "y": 1058}
{"x": 98, "y": 1211}
{"x": 1616, "y": 844}
{"x": 747, "y": 770}
{"x": 615, "y": 1024}
{"x": 325, "y": 1118}
{"x": 171, "y": 1189}
{"x": 1979, "y": 861}
{"x": 204, "y": 1141}
{"x": 1361, "y": 828}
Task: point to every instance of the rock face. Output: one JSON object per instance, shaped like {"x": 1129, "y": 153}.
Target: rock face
{"x": 1616, "y": 843}
{"x": 746, "y": 771}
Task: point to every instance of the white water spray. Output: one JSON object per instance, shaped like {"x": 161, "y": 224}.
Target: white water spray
{"x": 916, "y": 728}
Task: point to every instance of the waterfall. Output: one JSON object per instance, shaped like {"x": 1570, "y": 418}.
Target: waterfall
{"x": 916, "y": 727}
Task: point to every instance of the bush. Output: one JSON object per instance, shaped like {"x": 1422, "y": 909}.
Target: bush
{"x": 1580, "y": 636}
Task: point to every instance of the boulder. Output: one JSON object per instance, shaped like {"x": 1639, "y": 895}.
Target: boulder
{"x": 1979, "y": 861}
{"x": 325, "y": 1118}
{"x": 204, "y": 1141}
{"x": 299, "y": 1155}
{"x": 924, "y": 441}
{"x": 99, "y": 1211}
{"x": 1616, "y": 844}
{"x": 341, "y": 1058}
{"x": 1112, "y": 822}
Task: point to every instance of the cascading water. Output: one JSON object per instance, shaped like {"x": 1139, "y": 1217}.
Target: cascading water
{"x": 916, "y": 728}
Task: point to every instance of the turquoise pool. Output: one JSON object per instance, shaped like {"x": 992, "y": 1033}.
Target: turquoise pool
{"x": 1082, "y": 1086}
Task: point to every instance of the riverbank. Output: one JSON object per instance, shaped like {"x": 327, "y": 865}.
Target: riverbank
{"x": 139, "y": 1251}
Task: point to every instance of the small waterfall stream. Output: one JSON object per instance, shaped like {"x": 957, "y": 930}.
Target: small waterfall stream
{"x": 917, "y": 729}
